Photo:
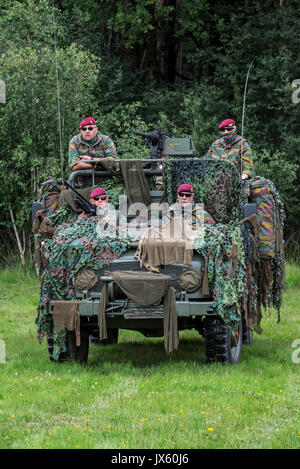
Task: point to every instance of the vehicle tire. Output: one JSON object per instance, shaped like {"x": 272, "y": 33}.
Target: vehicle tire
{"x": 220, "y": 344}
{"x": 79, "y": 354}
{"x": 112, "y": 336}
{"x": 63, "y": 356}
{"x": 209, "y": 340}
{"x": 95, "y": 340}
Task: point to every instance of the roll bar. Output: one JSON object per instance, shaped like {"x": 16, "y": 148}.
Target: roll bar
{"x": 96, "y": 172}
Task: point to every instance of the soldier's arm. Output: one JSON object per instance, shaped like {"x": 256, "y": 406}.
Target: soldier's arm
{"x": 208, "y": 155}
{"x": 208, "y": 219}
{"x": 73, "y": 157}
{"x": 75, "y": 161}
{"x": 81, "y": 165}
{"x": 202, "y": 215}
{"x": 247, "y": 161}
{"x": 110, "y": 148}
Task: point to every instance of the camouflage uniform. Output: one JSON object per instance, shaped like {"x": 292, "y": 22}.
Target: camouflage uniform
{"x": 198, "y": 214}
{"x": 100, "y": 147}
{"x": 230, "y": 147}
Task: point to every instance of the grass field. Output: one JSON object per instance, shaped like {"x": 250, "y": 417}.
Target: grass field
{"x": 132, "y": 395}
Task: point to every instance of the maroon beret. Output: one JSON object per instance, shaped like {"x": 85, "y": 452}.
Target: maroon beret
{"x": 185, "y": 188}
{"x": 87, "y": 121}
{"x": 98, "y": 191}
{"x": 227, "y": 123}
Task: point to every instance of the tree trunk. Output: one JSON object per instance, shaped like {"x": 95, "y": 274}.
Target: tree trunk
{"x": 178, "y": 66}
{"x": 21, "y": 252}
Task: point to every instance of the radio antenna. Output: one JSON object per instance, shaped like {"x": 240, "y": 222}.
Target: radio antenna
{"x": 243, "y": 114}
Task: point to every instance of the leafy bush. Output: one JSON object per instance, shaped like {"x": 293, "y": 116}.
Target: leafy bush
{"x": 120, "y": 125}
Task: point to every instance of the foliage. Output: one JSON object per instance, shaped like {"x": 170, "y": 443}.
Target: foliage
{"x": 216, "y": 184}
{"x": 227, "y": 290}
{"x": 121, "y": 122}
{"x": 75, "y": 246}
{"x": 32, "y": 111}
{"x": 29, "y": 23}
{"x": 178, "y": 66}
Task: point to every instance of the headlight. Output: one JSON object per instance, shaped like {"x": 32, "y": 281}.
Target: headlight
{"x": 189, "y": 281}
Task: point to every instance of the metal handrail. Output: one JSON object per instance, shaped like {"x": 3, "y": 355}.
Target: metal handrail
{"x": 96, "y": 172}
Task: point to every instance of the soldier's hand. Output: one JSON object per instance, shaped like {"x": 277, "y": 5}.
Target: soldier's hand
{"x": 85, "y": 157}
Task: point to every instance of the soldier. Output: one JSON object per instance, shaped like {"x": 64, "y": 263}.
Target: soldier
{"x": 99, "y": 197}
{"x": 232, "y": 147}
{"x": 90, "y": 144}
{"x": 105, "y": 211}
{"x": 185, "y": 204}
{"x": 107, "y": 220}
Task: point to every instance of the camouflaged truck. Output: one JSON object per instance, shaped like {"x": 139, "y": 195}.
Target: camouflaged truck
{"x": 92, "y": 286}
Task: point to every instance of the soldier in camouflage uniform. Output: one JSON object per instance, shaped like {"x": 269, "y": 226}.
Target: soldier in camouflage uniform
{"x": 234, "y": 148}
{"x": 89, "y": 144}
{"x": 105, "y": 211}
{"x": 185, "y": 205}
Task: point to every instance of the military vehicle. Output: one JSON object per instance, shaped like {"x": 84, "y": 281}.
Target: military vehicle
{"x": 93, "y": 285}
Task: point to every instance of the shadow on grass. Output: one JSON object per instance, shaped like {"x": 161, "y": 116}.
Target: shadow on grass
{"x": 147, "y": 353}
{"x": 134, "y": 350}
{"x": 138, "y": 353}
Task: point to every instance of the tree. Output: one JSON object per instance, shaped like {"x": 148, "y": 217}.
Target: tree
{"x": 41, "y": 113}
{"x": 177, "y": 65}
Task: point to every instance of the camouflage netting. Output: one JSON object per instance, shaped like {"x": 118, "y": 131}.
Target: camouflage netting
{"x": 74, "y": 248}
{"x": 225, "y": 247}
{"x": 260, "y": 271}
{"x": 244, "y": 268}
{"x": 268, "y": 264}
{"x": 225, "y": 267}
{"x": 216, "y": 184}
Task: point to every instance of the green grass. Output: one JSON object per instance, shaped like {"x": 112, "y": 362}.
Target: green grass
{"x": 132, "y": 395}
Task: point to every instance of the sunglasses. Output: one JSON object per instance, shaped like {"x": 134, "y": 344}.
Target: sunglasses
{"x": 84, "y": 129}
{"x": 100, "y": 197}
{"x": 226, "y": 128}
{"x": 184, "y": 194}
